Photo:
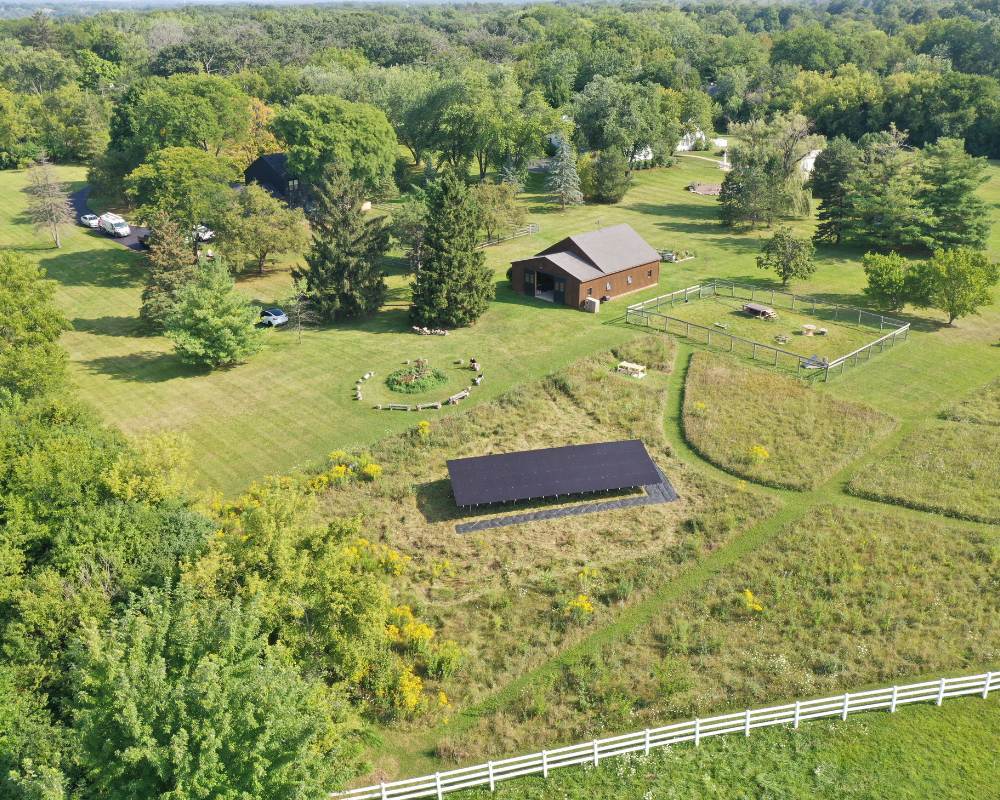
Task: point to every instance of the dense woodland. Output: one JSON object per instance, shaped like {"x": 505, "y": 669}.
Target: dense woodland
{"x": 132, "y": 610}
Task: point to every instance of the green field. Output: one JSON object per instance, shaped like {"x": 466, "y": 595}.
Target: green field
{"x": 773, "y": 429}
{"x": 916, "y": 753}
{"x": 529, "y": 684}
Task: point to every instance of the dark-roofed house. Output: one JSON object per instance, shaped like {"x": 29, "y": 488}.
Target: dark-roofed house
{"x": 271, "y": 172}
{"x": 604, "y": 263}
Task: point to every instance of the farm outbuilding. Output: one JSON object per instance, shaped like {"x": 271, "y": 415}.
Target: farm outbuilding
{"x": 603, "y": 264}
{"x": 271, "y": 172}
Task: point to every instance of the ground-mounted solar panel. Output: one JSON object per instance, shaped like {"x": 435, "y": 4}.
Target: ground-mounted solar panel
{"x": 551, "y": 472}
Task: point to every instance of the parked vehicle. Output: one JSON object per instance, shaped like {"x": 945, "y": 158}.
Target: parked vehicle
{"x": 273, "y": 317}
{"x": 113, "y": 225}
{"x": 89, "y": 220}
{"x": 203, "y": 233}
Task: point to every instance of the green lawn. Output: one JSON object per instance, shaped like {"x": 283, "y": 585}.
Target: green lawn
{"x": 293, "y": 402}
{"x": 725, "y": 315}
{"x": 950, "y": 753}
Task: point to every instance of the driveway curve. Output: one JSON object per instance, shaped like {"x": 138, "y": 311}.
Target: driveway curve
{"x": 80, "y": 201}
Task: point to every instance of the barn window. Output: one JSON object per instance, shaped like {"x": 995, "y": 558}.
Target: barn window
{"x": 293, "y": 185}
{"x": 590, "y": 290}
{"x": 628, "y": 280}
{"x": 607, "y": 286}
{"x": 649, "y": 273}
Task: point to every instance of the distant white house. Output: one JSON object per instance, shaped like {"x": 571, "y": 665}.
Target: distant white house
{"x": 808, "y": 162}
{"x": 690, "y": 140}
{"x": 644, "y": 155}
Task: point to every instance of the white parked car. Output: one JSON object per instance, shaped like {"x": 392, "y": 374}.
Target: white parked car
{"x": 273, "y": 317}
{"x": 89, "y": 220}
{"x": 203, "y": 233}
{"x": 113, "y": 225}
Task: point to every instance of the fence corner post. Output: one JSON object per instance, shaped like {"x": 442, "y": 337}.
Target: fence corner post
{"x": 489, "y": 770}
{"x": 940, "y": 697}
{"x": 986, "y": 685}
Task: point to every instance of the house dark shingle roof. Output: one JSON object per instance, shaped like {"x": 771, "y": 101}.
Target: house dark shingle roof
{"x": 586, "y": 256}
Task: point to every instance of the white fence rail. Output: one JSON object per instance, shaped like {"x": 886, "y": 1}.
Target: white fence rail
{"x": 492, "y": 772}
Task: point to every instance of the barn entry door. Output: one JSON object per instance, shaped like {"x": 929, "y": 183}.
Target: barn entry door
{"x": 529, "y": 282}
{"x": 559, "y": 291}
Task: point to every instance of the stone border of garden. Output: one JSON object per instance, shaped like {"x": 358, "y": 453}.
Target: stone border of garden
{"x": 453, "y": 400}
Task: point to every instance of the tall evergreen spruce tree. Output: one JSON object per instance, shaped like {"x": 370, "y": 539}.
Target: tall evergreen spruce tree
{"x": 885, "y": 191}
{"x": 171, "y": 267}
{"x": 952, "y": 177}
{"x": 453, "y": 286}
{"x": 829, "y": 179}
{"x": 563, "y": 180}
{"x": 344, "y": 278}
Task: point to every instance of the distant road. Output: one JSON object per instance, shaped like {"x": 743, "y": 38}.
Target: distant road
{"x": 79, "y": 200}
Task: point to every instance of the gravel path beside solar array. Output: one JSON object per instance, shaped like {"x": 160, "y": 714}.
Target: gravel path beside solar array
{"x": 655, "y": 494}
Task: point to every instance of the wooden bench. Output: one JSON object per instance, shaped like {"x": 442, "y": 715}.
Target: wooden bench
{"x": 453, "y": 400}
{"x": 424, "y": 406}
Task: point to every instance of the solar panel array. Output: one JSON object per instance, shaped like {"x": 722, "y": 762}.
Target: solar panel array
{"x": 531, "y": 474}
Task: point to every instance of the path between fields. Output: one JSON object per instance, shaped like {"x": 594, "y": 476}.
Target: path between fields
{"x": 416, "y": 752}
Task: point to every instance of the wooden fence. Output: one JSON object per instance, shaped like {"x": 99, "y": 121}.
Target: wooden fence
{"x": 527, "y": 230}
{"x": 492, "y": 772}
{"x": 648, "y": 313}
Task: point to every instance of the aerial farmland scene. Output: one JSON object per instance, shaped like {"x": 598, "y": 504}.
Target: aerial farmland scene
{"x": 531, "y": 400}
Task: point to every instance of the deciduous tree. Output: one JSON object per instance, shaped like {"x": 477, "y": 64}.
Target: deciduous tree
{"x": 788, "y": 255}
{"x": 31, "y": 360}
{"x": 256, "y": 225}
{"x": 204, "y": 706}
{"x": 958, "y": 282}
{"x": 49, "y": 206}
{"x": 887, "y": 279}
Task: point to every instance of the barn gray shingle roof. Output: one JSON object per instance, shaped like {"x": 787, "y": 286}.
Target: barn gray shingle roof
{"x": 587, "y": 256}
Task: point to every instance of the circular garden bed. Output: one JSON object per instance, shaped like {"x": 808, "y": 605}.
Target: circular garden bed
{"x": 415, "y": 378}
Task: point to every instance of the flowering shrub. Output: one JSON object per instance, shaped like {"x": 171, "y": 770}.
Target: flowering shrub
{"x": 408, "y": 698}
{"x": 758, "y": 454}
{"x": 579, "y": 609}
{"x": 751, "y": 602}
{"x": 371, "y": 472}
{"x": 423, "y": 430}
{"x": 409, "y": 632}
{"x": 445, "y": 659}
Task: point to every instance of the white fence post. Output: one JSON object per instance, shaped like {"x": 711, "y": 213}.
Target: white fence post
{"x": 940, "y": 697}
{"x": 437, "y": 784}
{"x": 545, "y": 764}
{"x": 645, "y": 746}
{"x": 385, "y": 792}
{"x": 596, "y": 756}
{"x": 986, "y": 685}
{"x": 795, "y": 722}
{"x": 746, "y": 724}
{"x": 892, "y": 703}
{"x": 697, "y": 731}
{"x": 489, "y": 769}
{"x": 847, "y": 700}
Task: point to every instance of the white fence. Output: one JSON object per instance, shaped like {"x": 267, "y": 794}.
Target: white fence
{"x": 492, "y": 772}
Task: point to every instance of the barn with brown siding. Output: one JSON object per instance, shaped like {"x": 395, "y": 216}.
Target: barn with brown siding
{"x": 605, "y": 263}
